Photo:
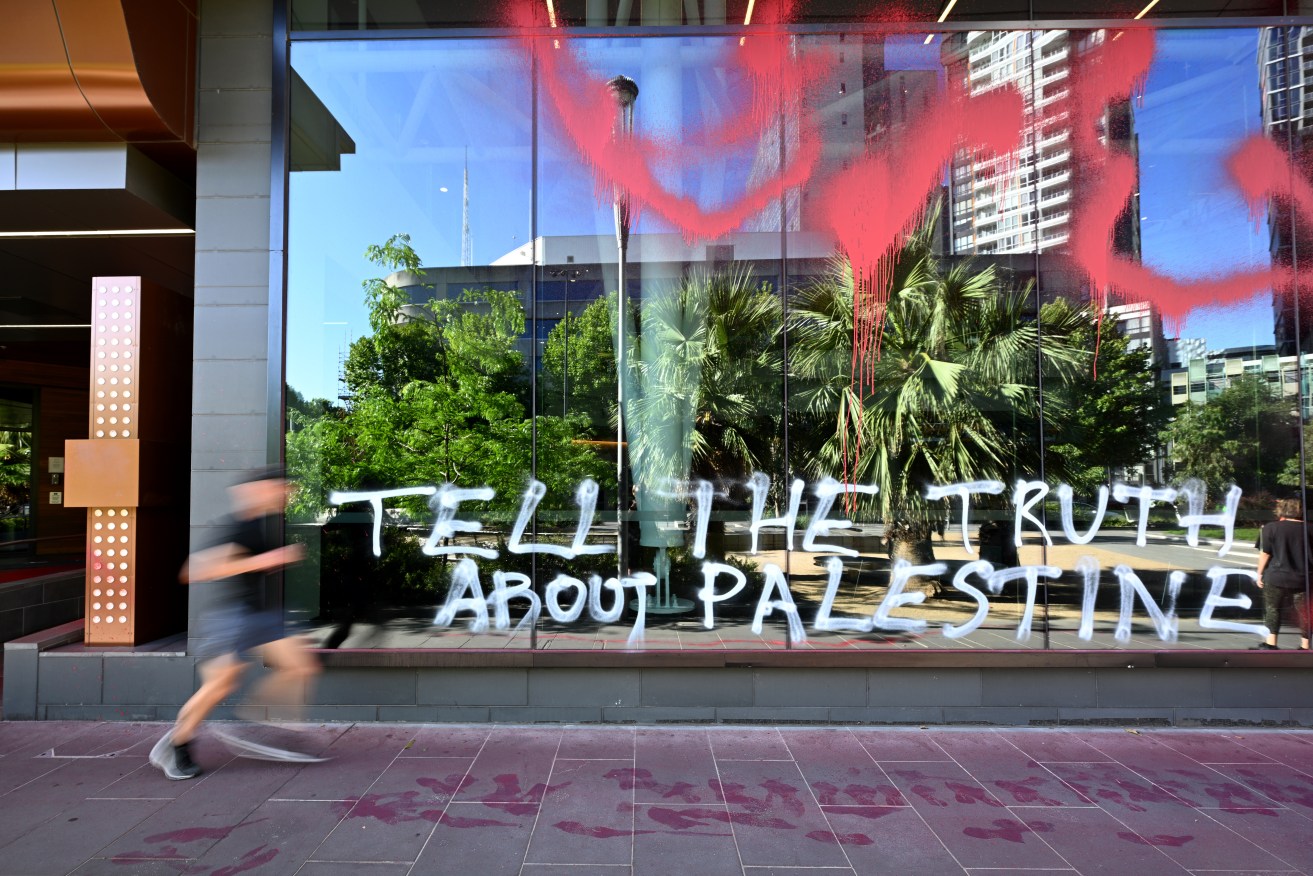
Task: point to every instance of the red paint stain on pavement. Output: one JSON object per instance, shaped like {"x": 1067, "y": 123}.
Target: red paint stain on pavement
{"x": 685, "y": 819}
{"x": 840, "y": 839}
{"x": 828, "y": 794}
{"x": 599, "y": 832}
{"x": 1026, "y": 791}
{"x": 1007, "y": 829}
{"x": 447, "y": 787}
{"x": 642, "y": 779}
{"x": 256, "y": 857}
{"x": 461, "y": 821}
{"x": 192, "y": 834}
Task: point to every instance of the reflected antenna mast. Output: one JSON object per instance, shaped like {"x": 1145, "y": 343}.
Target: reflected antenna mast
{"x": 466, "y": 241}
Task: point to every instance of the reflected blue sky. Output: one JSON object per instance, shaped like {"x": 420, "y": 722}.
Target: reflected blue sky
{"x": 1201, "y": 98}
{"x": 413, "y": 107}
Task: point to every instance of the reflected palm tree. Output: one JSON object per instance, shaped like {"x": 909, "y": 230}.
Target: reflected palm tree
{"x": 953, "y": 396}
{"x": 706, "y": 372}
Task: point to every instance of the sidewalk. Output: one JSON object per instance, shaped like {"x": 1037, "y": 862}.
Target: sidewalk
{"x": 583, "y": 801}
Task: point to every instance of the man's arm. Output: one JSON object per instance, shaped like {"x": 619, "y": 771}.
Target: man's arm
{"x": 228, "y": 560}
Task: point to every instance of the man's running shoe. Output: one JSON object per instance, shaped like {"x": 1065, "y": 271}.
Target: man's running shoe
{"x": 174, "y": 760}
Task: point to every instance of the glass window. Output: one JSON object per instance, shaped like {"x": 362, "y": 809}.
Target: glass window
{"x": 826, "y": 339}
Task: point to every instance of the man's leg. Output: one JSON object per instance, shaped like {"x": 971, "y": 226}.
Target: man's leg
{"x": 219, "y": 679}
{"x": 283, "y": 692}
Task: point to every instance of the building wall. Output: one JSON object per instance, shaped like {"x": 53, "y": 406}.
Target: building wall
{"x": 229, "y": 422}
{"x": 231, "y": 360}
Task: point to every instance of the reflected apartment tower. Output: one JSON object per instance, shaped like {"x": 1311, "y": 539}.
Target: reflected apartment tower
{"x": 1022, "y": 204}
{"x": 1285, "y": 59}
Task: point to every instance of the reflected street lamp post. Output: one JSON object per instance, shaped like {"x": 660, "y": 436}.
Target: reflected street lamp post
{"x": 625, "y": 92}
{"x": 570, "y": 276}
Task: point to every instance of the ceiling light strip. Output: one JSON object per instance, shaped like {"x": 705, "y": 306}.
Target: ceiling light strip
{"x": 101, "y": 232}
{"x": 1145, "y": 11}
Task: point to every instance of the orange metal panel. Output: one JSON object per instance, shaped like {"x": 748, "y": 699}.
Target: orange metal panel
{"x": 97, "y": 70}
{"x": 111, "y": 576}
{"x": 100, "y": 472}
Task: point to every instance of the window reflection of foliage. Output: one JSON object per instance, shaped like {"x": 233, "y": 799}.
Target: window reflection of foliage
{"x": 1111, "y": 412}
{"x": 1245, "y": 435}
{"x": 707, "y": 360}
{"x": 15, "y": 476}
{"x": 954, "y": 395}
{"x": 436, "y": 393}
{"x": 587, "y": 344}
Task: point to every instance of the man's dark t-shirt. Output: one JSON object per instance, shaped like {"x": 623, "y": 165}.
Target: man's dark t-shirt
{"x": 250, "y": 536}
{"x": 1284, "y": 541}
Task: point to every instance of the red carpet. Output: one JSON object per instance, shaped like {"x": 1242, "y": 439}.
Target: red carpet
{"x": 7, "y": 575}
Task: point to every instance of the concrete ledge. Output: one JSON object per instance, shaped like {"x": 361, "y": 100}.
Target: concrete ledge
{"x": 44, "y": 640}
{"x": 807, "y": 659}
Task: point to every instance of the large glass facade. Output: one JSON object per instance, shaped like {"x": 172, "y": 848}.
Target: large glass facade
{"x": 840, "y": 339}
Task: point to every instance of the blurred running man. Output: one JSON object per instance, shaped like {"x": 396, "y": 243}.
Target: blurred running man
{"x": 238, "y": 623}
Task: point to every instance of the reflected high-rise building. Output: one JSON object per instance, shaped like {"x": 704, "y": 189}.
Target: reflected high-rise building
{"x": 1023, "y": 202}
{"x": 1285, "y": 58}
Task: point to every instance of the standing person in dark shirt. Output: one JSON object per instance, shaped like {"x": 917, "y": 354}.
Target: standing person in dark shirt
{"x": 237, "y": 623}
{"x": 1284, "y": 547}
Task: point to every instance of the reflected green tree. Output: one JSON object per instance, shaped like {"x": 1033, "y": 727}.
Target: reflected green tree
{"x": 1244, "y": 435}
{"x": 585, "y": 345}
{"x": 707, "y": 376}
{"x": 1112, "y": 413}
{"x": 436, "y": 393}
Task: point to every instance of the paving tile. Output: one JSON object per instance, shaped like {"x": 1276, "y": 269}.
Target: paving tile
{"x": 608, "y": 743}
{"x": 68, "y": 840}
{"x": 1194, "y": 839}
{"x": 1206, "y": 788}
{"x": 1283, "y": 834}
{"x": 973, "y": 824}
{"x": 584, "y": 818}
{"x": 359, "y": 757}
{"x": 202, "y": 814}
{"x": 108, "y": 867}
{"x": 1282, "y": 785}
{"x": 900, "y": 745}
{"x": 1009, "y": 774}
{"x": 578, "y": 870}
{"x": 889, "y": 839}
{"x": 839, "y": 770}
{"x": 279, "y": 835}
{"x": 26, "y": 738}
{"x": 355, "y": 868}
{"x": 672, "y": 766}
{"x": 54, "y": 791}
{"x": 665, "y": 833}
{"x": 1294, "y": 750}
{"x": 1115, "y": 788}
{"x": 393, "y": 818}
{"x": 512, "y": 766}
{"x": 1096, "y": 843}
{"x": 776, "y": 820}
{"x": 747, "y": 743}
{"x": 806, "y": 801}
{"x": 443, "y": 741}
{"x": 1208, "y": 747}
{"x": 1054, "y": 746}
{"x": 478, "y": 838}
{"x": 147, "y": 781}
